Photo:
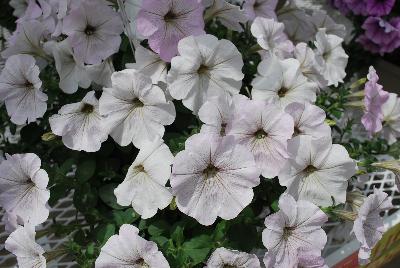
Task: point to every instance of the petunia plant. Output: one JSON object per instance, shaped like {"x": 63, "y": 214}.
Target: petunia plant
{"x": 190, "y": 133}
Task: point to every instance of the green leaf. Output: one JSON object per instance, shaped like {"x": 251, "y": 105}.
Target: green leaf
{"x": 105, "y": 232}
{"x": 177, "y": 235}
{"x": 158, "y": 228}
{"x": 198, "y": 248}
{"x": 106, "y": 193}
{"x": 85, "y": 197}
{"x": 85, "y": 170}
{"x": 124, "y": 217}
{"x": 160, "y": 240}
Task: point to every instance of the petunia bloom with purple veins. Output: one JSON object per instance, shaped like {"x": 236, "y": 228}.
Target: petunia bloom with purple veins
{"x": 260, "y": 8}
{"x": 93, "y": 30}
{"x": 164, "y": 23}
{"x": 375, "y": 97}
{"x": 379, "y": 7}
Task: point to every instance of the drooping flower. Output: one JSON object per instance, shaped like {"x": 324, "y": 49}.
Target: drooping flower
{"x": 260, "y": 8}
{"x": 70, "y": 68}
{"x": 308, "y": 120}
{"x": 368, "y": 227}
{"x": 318, "y": 171}
{"x": 206, "y": 67}
{"x": 150, "y": 64}
{"x": 392, "y": 165}
{"x": 379, "y": 7}
{"x": 391, "y": 118}
{"x": 229, "y": 15}
{"x": 270, "y": 36}
{"x": 222, "y": 257}
{"x": 93, "y": 30}
{"x": 292, "y": 231}
{"x": 309, "y": 65}
{"x": 20, "y": 89}
{"x": 281, "y": 82}
{"x": 374, "y": 99}
{"x": 136, "y": 110}
{"x": 23, "y": 188}
{"x": 164, "y": 23}
{"x": 213, "y": 177}
{"x": 144, "y": 184}
{"x": 129, "y": 249}
{"x": 264, "y": 130}
{"x": 22, "y": 244}
{"x": 80, "y": 124}
{"x": 331, "y": 56}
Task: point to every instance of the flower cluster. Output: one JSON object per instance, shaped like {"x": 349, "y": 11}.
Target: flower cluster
{"x": 226, "y": 109}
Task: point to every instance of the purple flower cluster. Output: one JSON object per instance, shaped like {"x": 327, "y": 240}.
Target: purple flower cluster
{"x": 364, "y": 7}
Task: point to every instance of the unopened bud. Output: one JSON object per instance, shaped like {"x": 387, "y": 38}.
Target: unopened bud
{"x": 49, "y": 136}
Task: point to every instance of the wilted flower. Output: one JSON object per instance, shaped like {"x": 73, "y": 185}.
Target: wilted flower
{"x": 213, "y": 177}
{"x": 136, "y": 110}
{"x": 23, "y": 188}
{"x": 144, "y": 184}
{"x": 354, "y": 200}
{"x": 270, "y": 36}
{"x": 229, "y": 15}
{"x": 222, "y": 257}
{"x": 368, "y": 227}
{"x": 392, "y": 165}
{"x": 260, "y": 8}
{"x": 281, "y": 82}
{"x": 93, "y": 29}
{"x": 318, "y": 171}
{"x": 308, "y": 120}
{"x": 391, "y": 118}
{"x": 80, "y": 124}
{"x": 206, "y": 67}
{"x": 20, "y": 89}
{"x": 164, "y": 23}
{"x": 292, "y": 232}
{"x": 331, "y": 55}
{"x": 22, "y": 244}
{"x": 264, "y": 130}
{"x": 130, "y": 250}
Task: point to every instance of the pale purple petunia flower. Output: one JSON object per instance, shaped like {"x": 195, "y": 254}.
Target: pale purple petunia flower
{"x": 379, "y": 7}
{"x": 213, "y": 177}
{"x": 222, "y": 257}
{"x": 23, "y": 188}
{"x": 375, "y": 97}
{"x": 264, "y": 130}
{"x": 164, "y": 23}
{"x": 368, "y": 227}
{"x": 293, "y": 230}
{"x": 93, "y": 30}
{"x": 231, "y": 16}
{"x": 260, "y": 8}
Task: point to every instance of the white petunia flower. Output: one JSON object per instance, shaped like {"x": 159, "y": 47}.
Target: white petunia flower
{"x": 229, "y": 15}
{"x": 150, "y": 64}
{"x": 23, "y": 188}
{"x": 281, "y": 82}
{"x": 128, "y": 249}
{"x": 222, "y": 257}
{"x": 20, "y": 89}
{"x": 309, "y": 65}
{"x": 132, "y": 8}
{"x": 206, "y": 67}
{"x": 136, "y": 110}
{"x": 71, "y": 69}
{"x": 100, "y": 74}
{"x": 80, "y": 124}
{"x": 292, "y": 231}
{"x": 213, "y": 177}
{"x": 22, "y": 244}
{"x": 270, "y": 36}
{"x": 144, "y": 184}
{"x": 391, "y": 118}
{"x": 28, "y": 39}
{"x": 322, "y": 20}
{"x": 19, "y": 7}
{"x": 264, "y": 130}
{"x": 11, "y": 221}
{"x": 331, "y": 55}
{"x": 368, "y": 227}
{"x": 308, "y": 120}
{"x": 317, "y": 170}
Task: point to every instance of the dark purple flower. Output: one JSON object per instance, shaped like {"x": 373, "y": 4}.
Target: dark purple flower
{"x": 368, "y": 44}
{"x": 358, "y": 7}
{"x": 379, "y": 7}
{"x": 341, "y": 5}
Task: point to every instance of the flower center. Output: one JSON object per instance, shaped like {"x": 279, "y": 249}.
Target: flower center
{"x": 202, "y": 69}
{"x": 141, "y": 263}
{"x": 137, "y": 103}
{"x": 210, "y": 171}
{"x": 282, "y": 92}
{"x": 90, "y": 30}
{"x": 87, "y": 108}
{"x": 170, "y": 16}
{"x": 297, "y": 131}
{"x": 310, "y": 169}
{"x": 222, "y": 131}
{"x": 29, "y": 85}
{"x": 287, "y": 232}
{"x": 260, "y": 134}
{"x": 139, "y": 168}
